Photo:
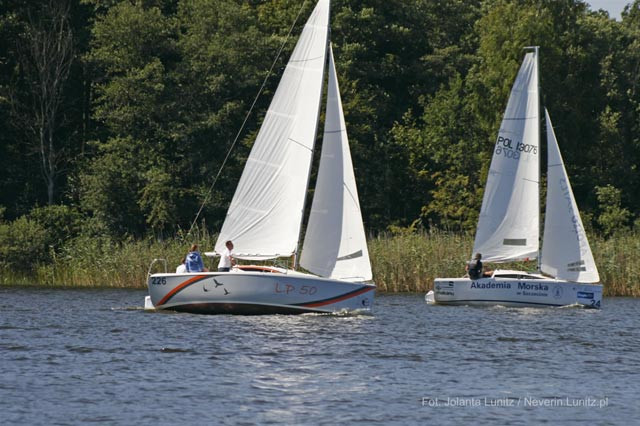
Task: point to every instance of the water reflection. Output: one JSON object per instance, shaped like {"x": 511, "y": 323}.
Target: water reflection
{"x": 77, "y": 356}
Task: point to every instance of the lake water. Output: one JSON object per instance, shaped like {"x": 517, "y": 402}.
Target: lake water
{"x": 94, "y": 356}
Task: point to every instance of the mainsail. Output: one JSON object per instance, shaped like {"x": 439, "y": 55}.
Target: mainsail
{"x": 335, "y": 245}
{"x": 265, "y": 215}
{"x": 508, "y": 227}
{"x": 566, "y": 253}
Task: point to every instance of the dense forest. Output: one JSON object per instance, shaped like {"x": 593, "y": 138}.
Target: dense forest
{"x": 115, "y": 115}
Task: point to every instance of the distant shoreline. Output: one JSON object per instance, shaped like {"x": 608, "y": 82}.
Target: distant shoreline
{"x": 401, "y": 263}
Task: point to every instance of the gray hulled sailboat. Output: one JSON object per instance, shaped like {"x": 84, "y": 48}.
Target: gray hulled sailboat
{"x": 265, "y": 217}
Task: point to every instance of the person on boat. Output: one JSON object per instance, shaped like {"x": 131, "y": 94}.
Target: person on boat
{"x": 182, "y": 268}
{"x": 474, "y": 268}
{"x": 193, "y": 260}
{"x": 226, "y": 258}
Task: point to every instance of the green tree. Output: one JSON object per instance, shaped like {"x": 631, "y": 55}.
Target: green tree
{"x": 110, "y": 186}
{"x": 133, "y": 48}
{"x": 47, "y": 56}
{"x": 613, "y": 217}
{"x": 60, "y": 223}
{"x": 445, "y": 159}
{"x": 586, "y": 84}
{"x": 389, "y": 55}
{"x": 22, "y": 245}
{"x": 158, "y": 89}
{"x": 43, "y": 91}
{"x": 176, "y": 85}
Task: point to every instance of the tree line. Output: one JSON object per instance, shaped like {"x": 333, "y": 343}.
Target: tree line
{"x": 116, "y": 114}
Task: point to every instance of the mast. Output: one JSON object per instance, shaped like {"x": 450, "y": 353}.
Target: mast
{"x": 536, "y": 50}
{"x": 296, "y": 260}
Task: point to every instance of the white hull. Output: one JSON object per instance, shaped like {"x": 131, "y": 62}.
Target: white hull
{"x": 514, "y": 292}
{"x": 257, "y": 293}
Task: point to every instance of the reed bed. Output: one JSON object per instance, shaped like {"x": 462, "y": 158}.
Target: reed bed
{"x": 100, "y": 262}
{"x": 618, "y": 263}
{"x": 401, "y": 263}
{"x": 408, "y": 263}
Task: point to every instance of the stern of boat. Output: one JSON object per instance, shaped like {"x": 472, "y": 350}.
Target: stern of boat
{"x": 588, "y": 295}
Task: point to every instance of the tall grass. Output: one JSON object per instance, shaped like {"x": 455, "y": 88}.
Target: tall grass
{"x": 100, "y": 262}
{"x": 408, "y": 263}
{"x": 618, "y": 263}
{"x": 401, "y": 263}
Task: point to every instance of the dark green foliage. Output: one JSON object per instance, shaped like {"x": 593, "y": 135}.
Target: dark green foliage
{"x": 23, "y": 244}
{"x": 390, "y": 54}
{"x": 60, "y": 223}
{"x": 111, "y": 183}
{"x": 158, "y": 89}
{"x": 613, "y": 217}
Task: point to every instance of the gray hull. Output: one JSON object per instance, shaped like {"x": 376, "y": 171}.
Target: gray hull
{"x": 257, "y": 293}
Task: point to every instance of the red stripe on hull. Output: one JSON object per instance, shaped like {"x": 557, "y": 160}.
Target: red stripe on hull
{"x": 176, "y": 289}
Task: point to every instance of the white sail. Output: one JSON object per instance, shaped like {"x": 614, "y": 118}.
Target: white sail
{"x": 335, "y": 245}
{"x": 265, "y": 215}
{"x": 566, "y": 253}
{"x": 508, "y": 227}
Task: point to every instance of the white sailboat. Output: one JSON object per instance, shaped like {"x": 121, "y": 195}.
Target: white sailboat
{"x": 265, "y": 217}
{"x": 508, "y": 226}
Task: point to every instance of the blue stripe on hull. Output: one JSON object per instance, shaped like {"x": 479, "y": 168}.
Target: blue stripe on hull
{"x": 512, "y": 302}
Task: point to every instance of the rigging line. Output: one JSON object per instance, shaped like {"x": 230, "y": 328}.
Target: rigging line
{"x": 235, "y": 140}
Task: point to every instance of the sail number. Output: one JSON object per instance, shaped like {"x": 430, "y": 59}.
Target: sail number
{"x": 505, "y": 146}
{"x": 289, "y": 288}
{"x": 158, "y": 280}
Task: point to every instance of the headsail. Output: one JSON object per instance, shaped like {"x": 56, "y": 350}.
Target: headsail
{"x": 508, "y": 227}
{"x": 335, "y": 245}
{"x": 264, "y": 217}
{"x": 566, "y": 253}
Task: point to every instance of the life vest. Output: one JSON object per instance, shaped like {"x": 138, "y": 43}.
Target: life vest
{"x": 194, "y": 262}
{"x": 475, "y": 269}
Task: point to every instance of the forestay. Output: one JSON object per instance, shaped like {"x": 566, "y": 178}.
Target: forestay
{"x": 508, "y": 227}
{"x": 335, "y": 245}
{"x": 264, "y": 217}
{"x": 566, "y": 253}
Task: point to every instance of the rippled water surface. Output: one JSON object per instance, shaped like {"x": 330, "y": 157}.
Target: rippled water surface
{"x": 93, "y": 356}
